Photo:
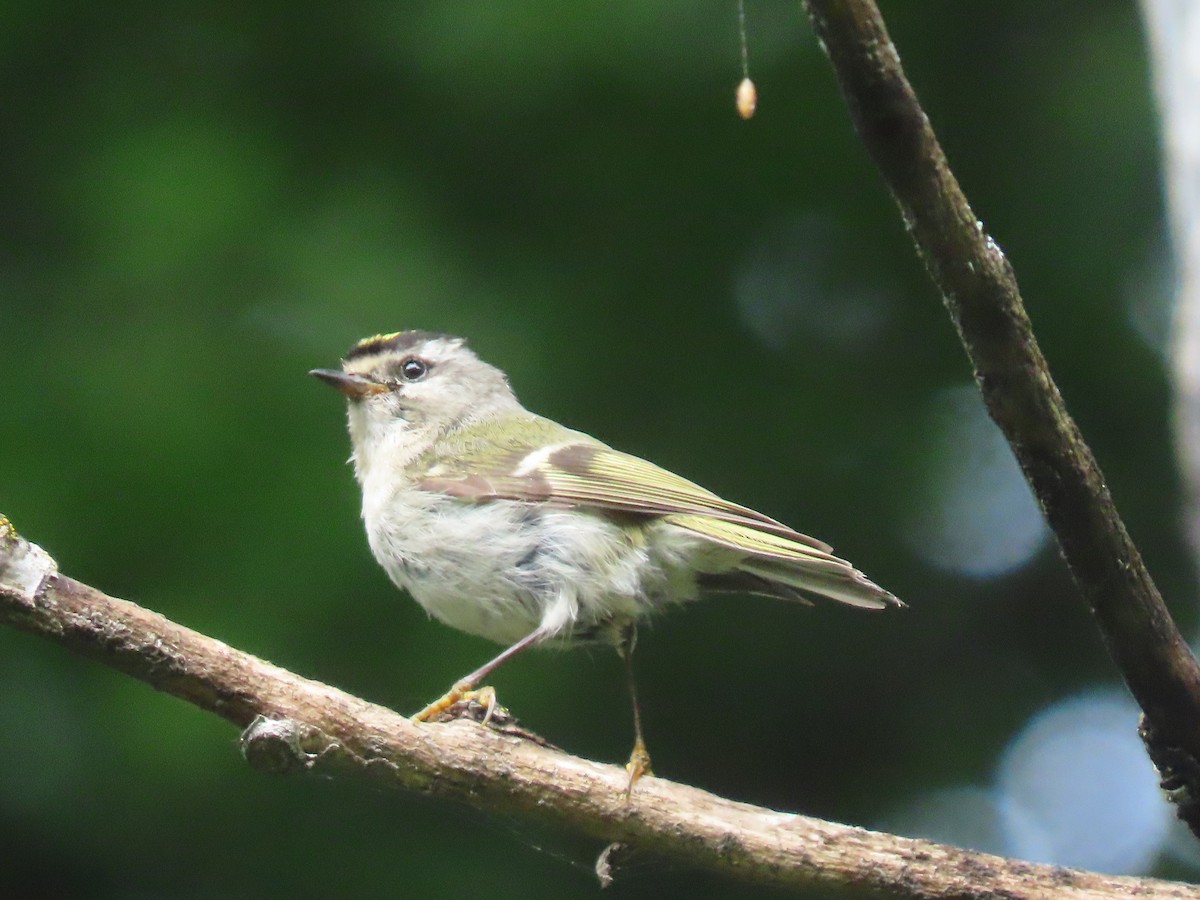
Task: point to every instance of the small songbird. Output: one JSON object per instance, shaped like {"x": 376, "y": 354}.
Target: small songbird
{"x": 509, "y": 526}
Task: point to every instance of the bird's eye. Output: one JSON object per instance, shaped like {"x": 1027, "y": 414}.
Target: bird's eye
{"x": 413, "y": 369}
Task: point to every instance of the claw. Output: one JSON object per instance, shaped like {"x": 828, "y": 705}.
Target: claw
{"x": 486, "y": 697}
{"x": 638, "y": 765}
{"x": 460, "y": 694}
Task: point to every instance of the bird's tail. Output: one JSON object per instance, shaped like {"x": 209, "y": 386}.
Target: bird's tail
{"x": 779, "y": 565}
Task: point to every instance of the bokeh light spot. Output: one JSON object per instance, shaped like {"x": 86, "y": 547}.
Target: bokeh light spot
{"x": 1076, "y": 788}
{"x": 789, "y": 287}
{"x": 964, "y": 816}
{"x": 976, "y": 515}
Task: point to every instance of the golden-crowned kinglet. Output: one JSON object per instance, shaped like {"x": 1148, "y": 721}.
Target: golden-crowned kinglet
{"x": 509, "y": 526}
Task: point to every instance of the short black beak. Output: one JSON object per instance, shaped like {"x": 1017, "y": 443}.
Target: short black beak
{"x": 353, "y": 386}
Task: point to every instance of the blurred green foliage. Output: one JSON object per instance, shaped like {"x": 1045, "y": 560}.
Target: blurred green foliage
{"x": 201, "y": 201}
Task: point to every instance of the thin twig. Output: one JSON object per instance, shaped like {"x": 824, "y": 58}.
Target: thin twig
{"x": 981, "y": 294}
{"x": 293, "y": 724}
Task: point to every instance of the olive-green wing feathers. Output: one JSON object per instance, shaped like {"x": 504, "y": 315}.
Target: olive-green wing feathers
{"x": 552, "y": 464}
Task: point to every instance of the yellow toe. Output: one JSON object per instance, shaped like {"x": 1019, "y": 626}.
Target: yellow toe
{"x": 459, "y": 696}
{"x": 638, "y": 765}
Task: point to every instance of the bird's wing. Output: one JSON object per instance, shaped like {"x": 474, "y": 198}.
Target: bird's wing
{"x": 552, "y": 464}
{"x": 539, "y": 461}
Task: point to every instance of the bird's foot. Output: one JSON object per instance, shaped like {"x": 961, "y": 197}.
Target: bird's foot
{"x": 462, "y": 700}
{"x": 638, "y": 765}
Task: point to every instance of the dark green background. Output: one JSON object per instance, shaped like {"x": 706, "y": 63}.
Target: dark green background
{"x": 200, "y": 202}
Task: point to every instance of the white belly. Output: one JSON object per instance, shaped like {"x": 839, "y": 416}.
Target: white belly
{"x": 503, "y": 569}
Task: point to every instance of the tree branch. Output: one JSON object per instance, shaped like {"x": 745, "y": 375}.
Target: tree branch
{"x": 295, "y": 724}
{"x": 980, "y": 292}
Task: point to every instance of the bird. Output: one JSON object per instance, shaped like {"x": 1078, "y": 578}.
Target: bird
{"x": 506, "y": 525}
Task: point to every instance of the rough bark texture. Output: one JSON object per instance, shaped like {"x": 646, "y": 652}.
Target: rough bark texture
{"x": 294, "y": 724}
{"x": 981, "y": 295}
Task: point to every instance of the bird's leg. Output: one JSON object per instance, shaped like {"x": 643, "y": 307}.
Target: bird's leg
{"x": 464, "y": 688}
{"x": 639, "y": 759}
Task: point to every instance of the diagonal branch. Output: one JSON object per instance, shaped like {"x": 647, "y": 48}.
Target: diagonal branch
{"x": 981, "y": 295}
{"x": 295, "y": 724}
